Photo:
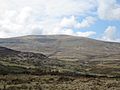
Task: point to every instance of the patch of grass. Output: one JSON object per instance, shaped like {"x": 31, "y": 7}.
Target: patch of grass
{"x": 48, "y": 82}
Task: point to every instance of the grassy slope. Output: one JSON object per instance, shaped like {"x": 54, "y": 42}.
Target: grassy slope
{"x": 29, "y": 62}
{"x": 34, "y": 63}
{"x": 63, "y": 47}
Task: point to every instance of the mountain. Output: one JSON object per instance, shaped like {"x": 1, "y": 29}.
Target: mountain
{"x": 64, "y": 47}
{"x": 60, "y": 54}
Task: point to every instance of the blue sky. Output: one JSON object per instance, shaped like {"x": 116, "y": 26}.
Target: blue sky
{"x": 98, "y": 19}
{"x": 101, "y": 25}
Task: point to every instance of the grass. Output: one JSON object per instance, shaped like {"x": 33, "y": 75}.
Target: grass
{"x": 6, "y": 63}
{"x": 48, "y": 82}
{"x": 91, "y": 67}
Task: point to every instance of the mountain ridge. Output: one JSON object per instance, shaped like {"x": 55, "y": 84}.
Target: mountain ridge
{"x": 62, "y": 46}
{"x": 59, "y": 35}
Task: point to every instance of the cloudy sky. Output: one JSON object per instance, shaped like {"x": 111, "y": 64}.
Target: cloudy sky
{"x": 99, "y": 19}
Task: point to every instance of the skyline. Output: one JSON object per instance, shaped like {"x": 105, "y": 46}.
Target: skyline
{"x": 97, "y": 19}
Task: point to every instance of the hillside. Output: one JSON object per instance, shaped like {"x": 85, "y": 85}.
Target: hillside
{"x": 12, "y": 61}
{"x": 63, "y": 53}
{"x": 64, "y": 47}
{"x": 59, "y": 63}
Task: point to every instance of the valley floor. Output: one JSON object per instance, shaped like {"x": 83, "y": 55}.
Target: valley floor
{"x": 48, "y": 82}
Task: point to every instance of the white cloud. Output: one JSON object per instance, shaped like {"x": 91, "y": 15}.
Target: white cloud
{"x": 87, "y": 22}
{"x": 110, "y": 34}
{"x": 67, "y": 26}
{"x": 109, "y": 9}
{"x": 68, "y": 22}
{"x": 24, "y": 15}
{"x": 43, "y": 17}
{"x": 16, "y": 23}
{"x": 85, "y": 34}
{"x": 51, "y": 8}
{"x": 73, "y": 23}
{"x": 63, "y": 28}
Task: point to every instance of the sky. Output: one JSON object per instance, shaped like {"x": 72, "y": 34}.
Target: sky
{"x": 98, "y": 19}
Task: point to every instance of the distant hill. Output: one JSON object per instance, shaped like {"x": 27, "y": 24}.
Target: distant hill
{"x": 63, "y": 47}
